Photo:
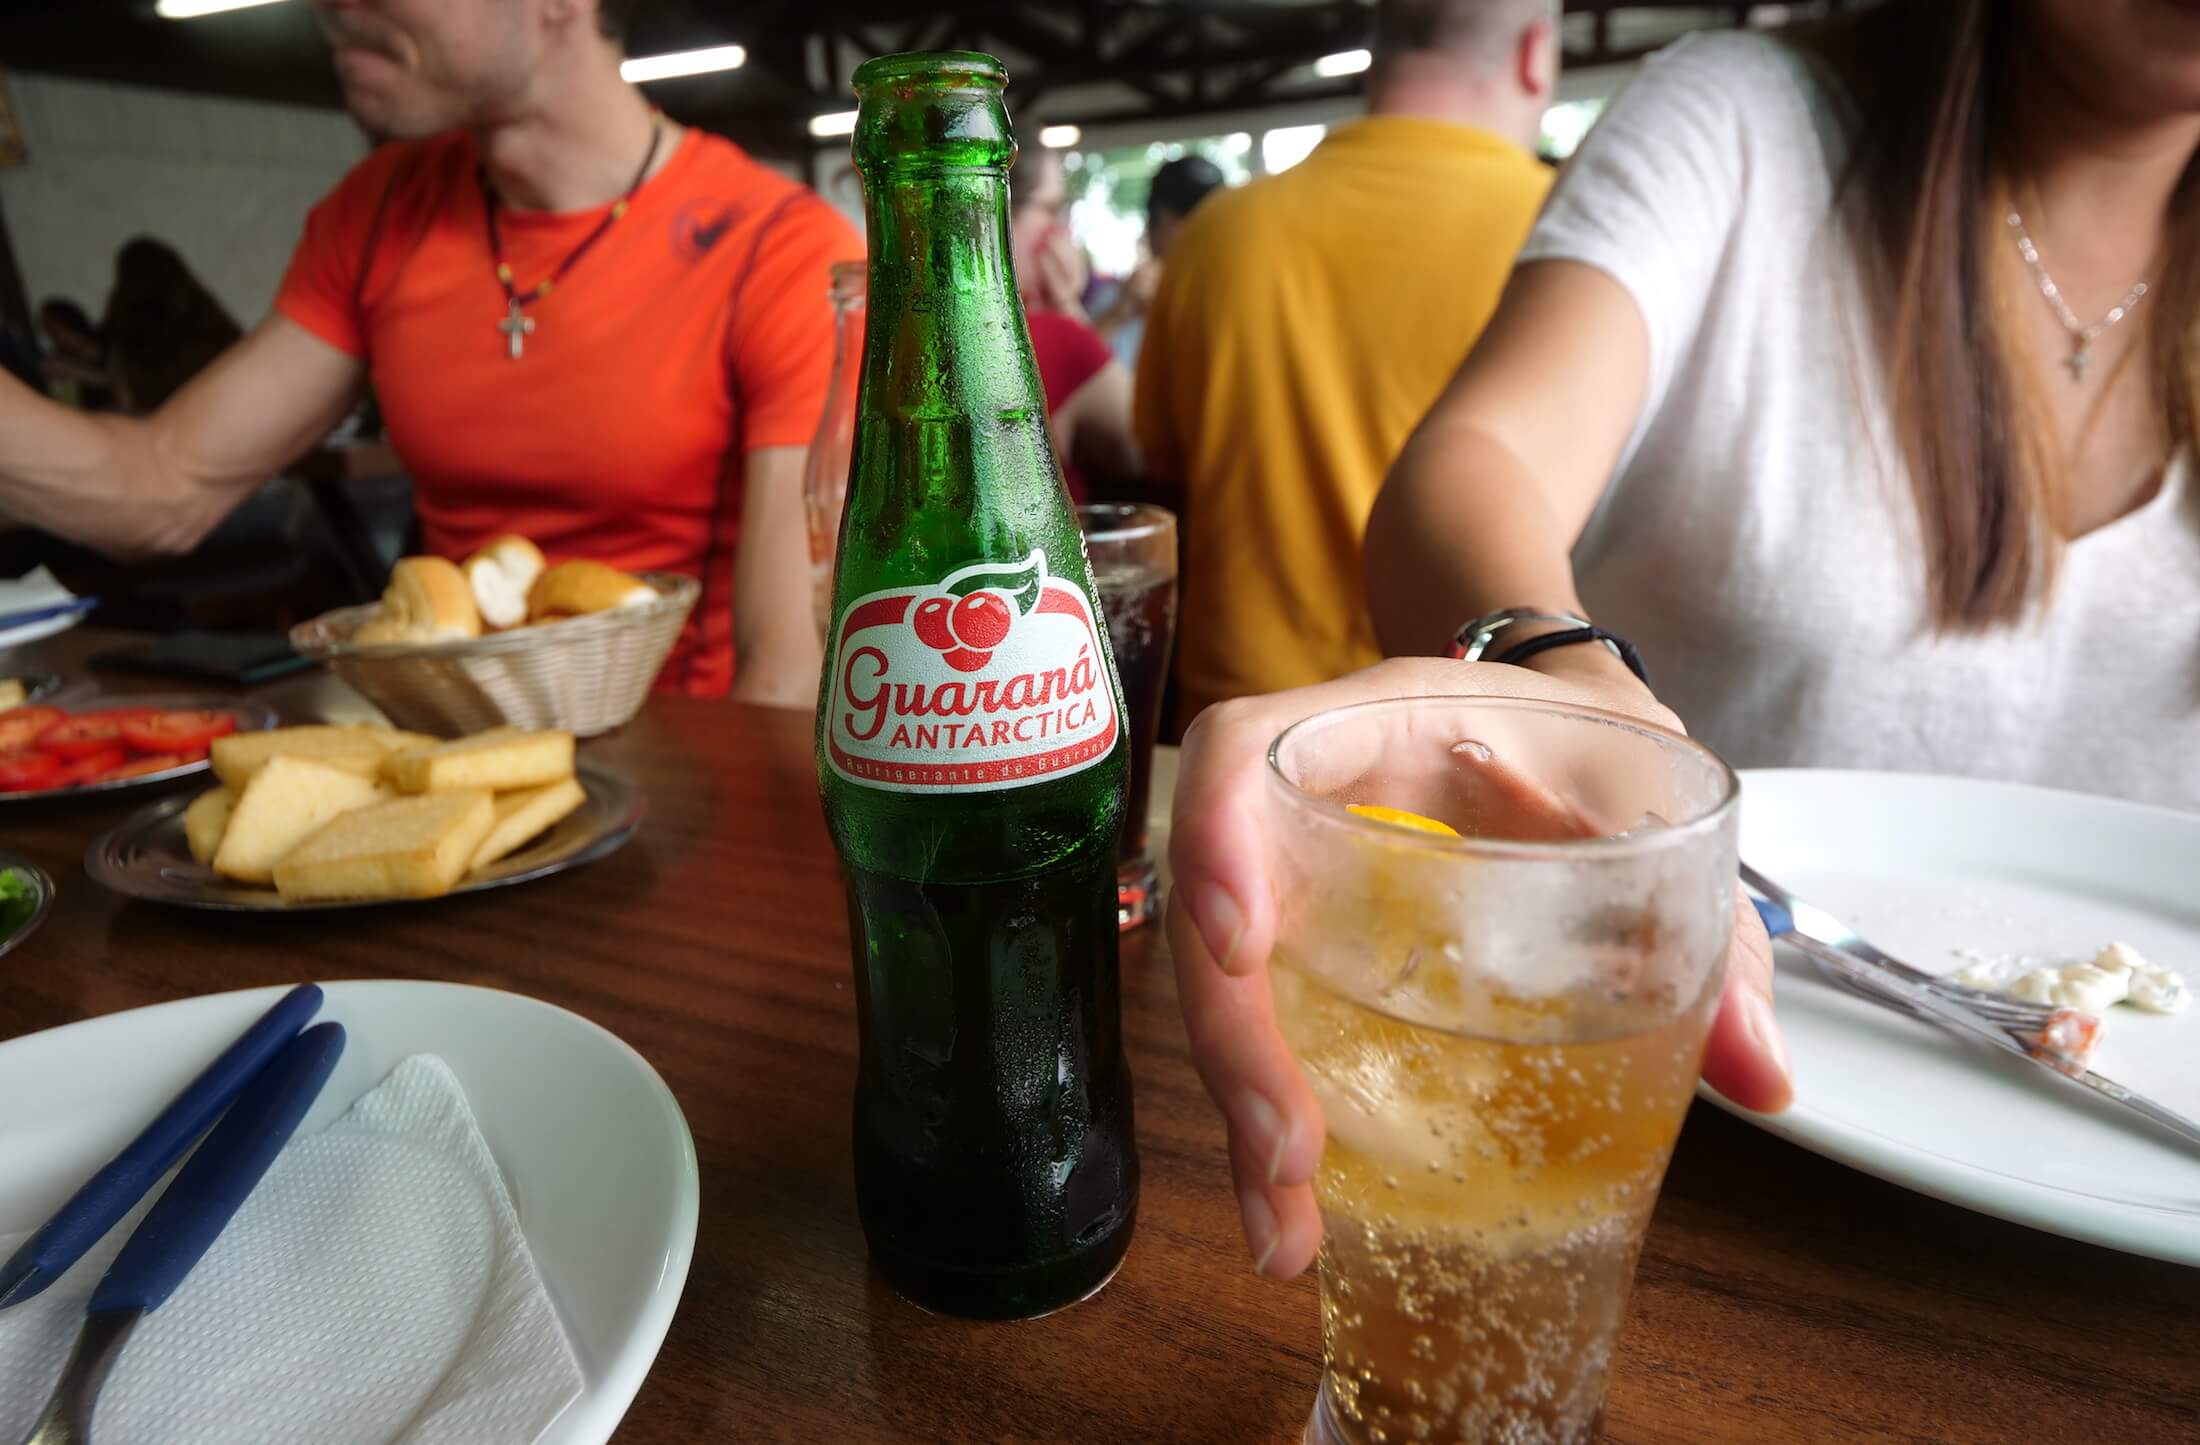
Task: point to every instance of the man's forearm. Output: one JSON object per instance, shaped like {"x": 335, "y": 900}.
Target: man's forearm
{"x": 141, "y": 487}
{"x": 777, "y": 651}
{"x": 93, "y": 478}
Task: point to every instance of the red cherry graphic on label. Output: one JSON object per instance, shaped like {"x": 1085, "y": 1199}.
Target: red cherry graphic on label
{"x": 982, "y": 619}
{"x": 965, "y": 659}
{"x": 931, "y": 623}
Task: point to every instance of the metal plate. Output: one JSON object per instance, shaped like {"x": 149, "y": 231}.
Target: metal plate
{"x": 251, "y": 717}
{"x": 147, "y": 857}
{"x": 41, "y": 884}
{"x": 37, "y": 686}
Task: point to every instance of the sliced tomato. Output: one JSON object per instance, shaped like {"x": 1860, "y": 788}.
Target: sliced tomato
{"x": 20, "y": 727}
{"x": 80, "y": 737}
{"x": 156, "y": 763}
{"x": 91, "y": 768}
{"x": 27, "y": 772}
{"x": 120, "y": 715}
{"x": 177, "y": 732}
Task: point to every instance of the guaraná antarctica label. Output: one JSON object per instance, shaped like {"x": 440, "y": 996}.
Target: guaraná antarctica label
{"x": 993, "y": 677}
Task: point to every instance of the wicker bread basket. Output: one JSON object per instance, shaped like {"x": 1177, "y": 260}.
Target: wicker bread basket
{"x": 587, "y": 675}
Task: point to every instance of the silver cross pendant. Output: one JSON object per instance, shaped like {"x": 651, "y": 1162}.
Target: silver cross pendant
{"x": 517, "y": 326}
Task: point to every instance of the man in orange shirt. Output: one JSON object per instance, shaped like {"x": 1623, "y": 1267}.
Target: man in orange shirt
{"x": 584, "y": 324}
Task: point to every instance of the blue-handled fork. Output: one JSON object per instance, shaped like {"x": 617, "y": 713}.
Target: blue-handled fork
{"x": 122, "y": 1181}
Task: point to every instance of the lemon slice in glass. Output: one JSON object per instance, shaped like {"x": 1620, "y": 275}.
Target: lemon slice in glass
{"x": 1400, "y": 818}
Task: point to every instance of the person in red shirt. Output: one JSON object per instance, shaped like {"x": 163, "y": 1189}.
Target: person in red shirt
{"x": 583, "y": 323}
{"x": 1088, "y": 391}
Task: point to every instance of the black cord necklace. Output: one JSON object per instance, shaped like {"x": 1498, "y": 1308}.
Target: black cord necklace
{"x": 516, "y": 324}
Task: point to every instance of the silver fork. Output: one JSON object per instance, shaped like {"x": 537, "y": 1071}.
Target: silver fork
{"x": 1815, "y": 923}
{"x": 2008, "y": 1025}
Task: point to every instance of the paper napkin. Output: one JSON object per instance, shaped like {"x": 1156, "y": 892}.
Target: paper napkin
{"x": 375, "y": 1288}
{"x": 35, "y": 588}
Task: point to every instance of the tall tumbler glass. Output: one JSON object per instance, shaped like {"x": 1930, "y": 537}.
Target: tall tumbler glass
{"x": 1133, "y": 554}
{"x": 1501, "y": 938}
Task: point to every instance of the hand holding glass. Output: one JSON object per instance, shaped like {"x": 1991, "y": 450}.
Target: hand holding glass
{"x": 1504, "y": 1028}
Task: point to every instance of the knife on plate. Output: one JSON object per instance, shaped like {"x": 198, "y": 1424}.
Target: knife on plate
{"x": 1892, "y": 989}
{"x": 112, "y": 1192}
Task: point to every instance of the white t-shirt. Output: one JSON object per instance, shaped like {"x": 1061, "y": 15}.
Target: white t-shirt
{"x": 1759, "y": 540}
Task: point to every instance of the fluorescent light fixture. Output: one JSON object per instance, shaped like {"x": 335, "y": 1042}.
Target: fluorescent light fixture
{"x": 1344, "y": 62}
{"x": 1059, "y": 137}
{"x": 835, "y": 122}
{"x": 645, "y": 68}
{"x": 193, "y": 9}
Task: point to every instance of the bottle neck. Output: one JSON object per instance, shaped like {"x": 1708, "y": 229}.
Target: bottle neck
{"x": 946, "y": 328}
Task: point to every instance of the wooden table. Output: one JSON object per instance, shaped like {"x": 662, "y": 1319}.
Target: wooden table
{"x": 1781, "y": 1298}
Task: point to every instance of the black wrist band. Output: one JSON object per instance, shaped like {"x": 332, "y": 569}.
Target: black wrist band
{"x": 1549, "y": 640}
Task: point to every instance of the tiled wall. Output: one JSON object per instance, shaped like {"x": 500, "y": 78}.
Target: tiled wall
{"x": 226, "y": 182}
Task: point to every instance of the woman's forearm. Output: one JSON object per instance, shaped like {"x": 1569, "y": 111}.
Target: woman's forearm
{"x": 1483, "y": 506}
{"x": 1461, "y": 529}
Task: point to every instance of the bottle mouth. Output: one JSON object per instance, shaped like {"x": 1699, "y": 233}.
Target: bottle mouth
{"x": 932, "y": 70}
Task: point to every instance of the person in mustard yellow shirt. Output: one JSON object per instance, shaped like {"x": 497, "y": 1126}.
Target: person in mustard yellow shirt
{"x": 1307, "y": 321}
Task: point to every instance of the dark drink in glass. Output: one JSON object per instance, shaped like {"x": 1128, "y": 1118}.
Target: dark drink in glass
{"x": 1133, "y": 553}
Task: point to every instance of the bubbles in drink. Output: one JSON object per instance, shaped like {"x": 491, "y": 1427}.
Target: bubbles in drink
{"x": 1483, "y": 1203}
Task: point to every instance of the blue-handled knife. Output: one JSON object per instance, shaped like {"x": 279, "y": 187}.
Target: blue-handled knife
{"x": 184, "y": 1223}
{"x": 112, "y": 1192}
{"x": 24, "y": 617}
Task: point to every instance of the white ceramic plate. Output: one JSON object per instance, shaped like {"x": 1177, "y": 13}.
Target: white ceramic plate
{"x": 43, "y": 628}
{"x": 1925, "y": 867}
{"x": 593, "y": 1147}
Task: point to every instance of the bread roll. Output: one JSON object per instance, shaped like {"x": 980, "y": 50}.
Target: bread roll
{"x": 501, "y": 575}
{"x": 428, "y": 600}
{"x": 572, "y": 589}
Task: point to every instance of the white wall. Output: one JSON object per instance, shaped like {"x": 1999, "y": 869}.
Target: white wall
{"x": 226, "y": 182}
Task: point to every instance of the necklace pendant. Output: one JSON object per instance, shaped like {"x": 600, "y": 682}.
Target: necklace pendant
{"x": 2080, "y": 357}
{"x": 517, "y": 326}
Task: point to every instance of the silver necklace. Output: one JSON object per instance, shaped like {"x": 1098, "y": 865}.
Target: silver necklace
{"x": 2082, "y": 336}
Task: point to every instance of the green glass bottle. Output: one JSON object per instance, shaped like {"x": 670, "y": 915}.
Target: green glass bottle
{"x": 971, "y": 749}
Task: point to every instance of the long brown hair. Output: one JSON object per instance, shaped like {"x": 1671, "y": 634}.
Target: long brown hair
{"x": 1926, "y": 191}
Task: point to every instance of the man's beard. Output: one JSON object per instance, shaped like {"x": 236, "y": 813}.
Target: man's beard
{"x": 404, "y": 104}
